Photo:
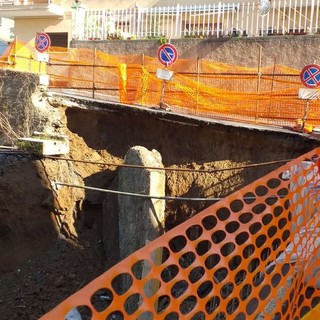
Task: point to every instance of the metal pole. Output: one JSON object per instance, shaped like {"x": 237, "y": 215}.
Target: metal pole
{"x": 93, "y": 67}
{"x": 272, "y": 84}
{"x": 305, "y": 114}
{"x": 162, "y": 89}
{"x": 198, "y": 79}
{"x": 15, "y": 51}
{"x": 259, "y": 68}
{"x": 259, "y": 80}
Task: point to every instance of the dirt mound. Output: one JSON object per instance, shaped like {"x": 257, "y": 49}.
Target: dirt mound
{"x": 51, "y": 239}
{"x": 76, "y": 256}
{"x": 67, "y": 222}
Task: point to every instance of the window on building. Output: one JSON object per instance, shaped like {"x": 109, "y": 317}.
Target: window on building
{"x": 58, "y": 39}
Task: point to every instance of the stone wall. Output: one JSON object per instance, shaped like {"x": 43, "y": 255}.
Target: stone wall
{"x": 294, "y": 51}
{"x": 16, "y": 108}
{"x": 23, "y": 107}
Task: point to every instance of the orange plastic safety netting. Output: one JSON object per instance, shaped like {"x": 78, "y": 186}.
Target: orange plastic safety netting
{"x": 253, "y": 255}
{"x": 266, "y": 95}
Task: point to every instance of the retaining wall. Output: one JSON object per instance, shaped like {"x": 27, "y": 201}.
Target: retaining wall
{"x": 294, "y": 51}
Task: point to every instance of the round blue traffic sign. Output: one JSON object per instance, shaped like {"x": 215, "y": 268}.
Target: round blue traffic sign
{"x": 310, "y": 76}
{"x": 167, "y": 54}
{"x": 42, "y": 42}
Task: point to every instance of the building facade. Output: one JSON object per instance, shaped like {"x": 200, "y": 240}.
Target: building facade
{"x": 66, "y": 20}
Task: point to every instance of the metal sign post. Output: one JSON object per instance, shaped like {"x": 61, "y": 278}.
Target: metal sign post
{"x": 42, "y": 44}
{"x": 162, "y": 92}
{"x": 165, "y": 75}
{"x": 167, "y": 55}
{"x": 304, "y": 118}
{"x": 310, "y": 77}
{"x": 307, "y": 94}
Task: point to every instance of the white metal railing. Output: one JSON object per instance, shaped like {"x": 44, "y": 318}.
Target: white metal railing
{"x": 212, "y": 20}
{"x": 28, "y": 2}
{"x": 4, "y": 2}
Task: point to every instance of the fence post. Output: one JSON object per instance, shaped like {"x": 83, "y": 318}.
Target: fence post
{"x": 259, "y": 68}
{"x": 93, "y": 70}
{"x": 259, "y": 80}
{"x": 198, "y": 79}
{"x": 304, "y": 119}
{"x": 272, "y": 84}
{"x": 13, "y": 51}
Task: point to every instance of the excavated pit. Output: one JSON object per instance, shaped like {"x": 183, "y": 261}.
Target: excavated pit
{"x": 52, "y": 240}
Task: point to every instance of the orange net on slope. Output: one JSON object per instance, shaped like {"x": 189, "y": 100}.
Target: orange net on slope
{"x": 253, "y": 255}
{"x": 267, "y": 95}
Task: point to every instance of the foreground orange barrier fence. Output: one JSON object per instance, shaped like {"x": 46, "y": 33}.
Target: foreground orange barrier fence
{"x": 253, "y": 255}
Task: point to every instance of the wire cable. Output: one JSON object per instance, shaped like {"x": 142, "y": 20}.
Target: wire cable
{"x": 146, "y": 196}
{"x": 171, "y": 169}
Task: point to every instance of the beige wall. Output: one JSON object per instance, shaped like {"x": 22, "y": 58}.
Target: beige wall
{"x": 292, "y": 51}
{"x": 26, "y": 29}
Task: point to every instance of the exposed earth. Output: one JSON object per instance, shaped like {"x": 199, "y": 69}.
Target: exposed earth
{"x": 39, "y": 272}
{"x": 51, "y": 241}
{"x": 36, "y": 285}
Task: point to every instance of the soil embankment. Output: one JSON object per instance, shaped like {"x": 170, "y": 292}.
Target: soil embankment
{"x": 51, "y": 239}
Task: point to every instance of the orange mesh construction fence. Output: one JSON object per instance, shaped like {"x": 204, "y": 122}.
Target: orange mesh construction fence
{"x": 266, "y": 95}
{"x": 253, "y": 255}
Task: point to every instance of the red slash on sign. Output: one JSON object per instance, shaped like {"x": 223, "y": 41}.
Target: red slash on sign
{"x": 310, "y": 76}
{"x": 42, "y": 42}
{"x": 167, "y": 54}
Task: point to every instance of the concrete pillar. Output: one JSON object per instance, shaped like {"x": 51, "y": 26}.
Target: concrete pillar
{"x": 140, "y": 219}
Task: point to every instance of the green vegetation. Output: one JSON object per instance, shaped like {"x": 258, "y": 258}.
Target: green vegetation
{"x": 33, "y": 147}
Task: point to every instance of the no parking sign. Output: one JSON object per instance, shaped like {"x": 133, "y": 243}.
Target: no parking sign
{"x": 42, "y": 41}
{"x": 167, "y": 54}
{"x": 310, "y": 76}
